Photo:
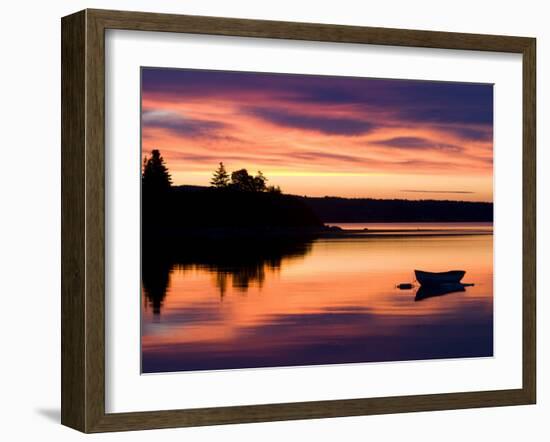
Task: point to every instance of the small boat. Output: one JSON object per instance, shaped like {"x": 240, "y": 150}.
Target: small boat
{"x": 429, "y": 291}
{"x": 432, "y": 278}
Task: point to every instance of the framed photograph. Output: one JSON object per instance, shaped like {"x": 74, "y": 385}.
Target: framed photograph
{"x": 266, "y": 221}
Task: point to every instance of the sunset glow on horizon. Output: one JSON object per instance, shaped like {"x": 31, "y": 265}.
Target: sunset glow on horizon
{"x": 320, "y": 135}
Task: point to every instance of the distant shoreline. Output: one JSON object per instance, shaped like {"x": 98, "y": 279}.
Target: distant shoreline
{"x": 197, "y": 188}
{"x": 331, "y": 210}
{"x": 290, "y": 233}
{"x": 403, "y": 233}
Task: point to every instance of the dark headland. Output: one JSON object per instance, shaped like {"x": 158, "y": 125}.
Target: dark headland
{"x": 241, "y": 205}
{"x": 195, "y": 210}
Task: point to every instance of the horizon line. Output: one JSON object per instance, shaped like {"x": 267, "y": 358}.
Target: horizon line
{"x": 360, "y": 197}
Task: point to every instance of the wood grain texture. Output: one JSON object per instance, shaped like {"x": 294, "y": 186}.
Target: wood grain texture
{"x": 83, "y": 220}
{"x": 143, "y": 21}
{"x": 308, "y": 410}
{"x": 529, "y": 221}
{"x": 95, "y": 222}
{"x": 73, "y": 255}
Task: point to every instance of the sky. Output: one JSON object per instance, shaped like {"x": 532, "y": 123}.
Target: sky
{"x": 323, "y": 135}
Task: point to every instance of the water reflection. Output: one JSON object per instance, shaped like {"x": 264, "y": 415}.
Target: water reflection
{"x": 239, "y": 264}
{"x": 155, "y": 278}
{"x": 315, "y": 301}
{"x": 425, "y": 292}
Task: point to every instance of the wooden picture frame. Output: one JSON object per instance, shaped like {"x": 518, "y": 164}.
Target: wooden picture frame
{"x": 83, "y": 220}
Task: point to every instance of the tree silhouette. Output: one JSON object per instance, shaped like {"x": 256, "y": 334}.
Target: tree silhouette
{"x": 220, "y": 178}
{"x": 259, "y": 182}
{"x": 242, "y": 180}
{"x": 155, "y": 177}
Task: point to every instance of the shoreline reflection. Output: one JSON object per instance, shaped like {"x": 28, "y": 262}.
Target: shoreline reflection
{"x": 313, "y": 301}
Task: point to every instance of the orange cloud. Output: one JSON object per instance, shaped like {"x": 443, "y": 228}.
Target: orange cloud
{"x": 374, "y": 148}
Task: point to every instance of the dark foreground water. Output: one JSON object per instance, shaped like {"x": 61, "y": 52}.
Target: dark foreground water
{"x": 323, "y": 301}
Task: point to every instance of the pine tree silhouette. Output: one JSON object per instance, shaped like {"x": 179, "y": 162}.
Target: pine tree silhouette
{"x": 220, "y": 177}
{"x": 155, "y": 177}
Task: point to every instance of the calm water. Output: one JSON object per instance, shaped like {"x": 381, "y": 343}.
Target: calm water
{"x": 321, "y": 301}
{"x": 486, "y": 227}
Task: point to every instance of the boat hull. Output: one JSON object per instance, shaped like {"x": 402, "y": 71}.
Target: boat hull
{"x": 433, "y": 278}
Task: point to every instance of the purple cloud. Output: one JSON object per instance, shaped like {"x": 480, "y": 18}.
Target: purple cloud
{"x": 418, "y": 143}
{"x": 175, "y": 123}
{"x": 324, "y": 124}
